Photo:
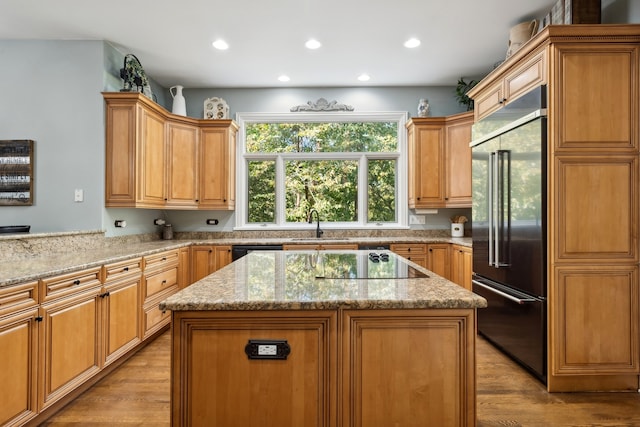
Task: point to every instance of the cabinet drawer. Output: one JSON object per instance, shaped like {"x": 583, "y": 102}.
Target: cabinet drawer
{"x": 161, "y": 260}
{"x": 18, "y": 297}
{"x": 412, "y": 248}
{"x": 159, "y": 282}
{"x": 66, "y": 284}
{"x": 118, "y": 270}
{"x": 524, "y": 78}
{"x": 154, "y": 318}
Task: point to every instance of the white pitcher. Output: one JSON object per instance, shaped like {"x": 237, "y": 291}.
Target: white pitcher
{"x": 179, "y": 103}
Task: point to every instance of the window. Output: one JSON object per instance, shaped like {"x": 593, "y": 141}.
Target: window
{"x": 347, "y": 166}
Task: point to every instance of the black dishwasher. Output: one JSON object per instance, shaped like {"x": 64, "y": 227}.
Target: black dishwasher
{"x": 238, "y": 251}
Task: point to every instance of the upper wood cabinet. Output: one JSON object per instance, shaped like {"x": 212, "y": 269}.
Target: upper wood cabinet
{"x": 529, "y": 73}
{"x": 439, "y": 160}
{"x": 155, "y": 159}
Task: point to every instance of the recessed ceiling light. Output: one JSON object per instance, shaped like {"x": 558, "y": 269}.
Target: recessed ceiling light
{"x": 313, "y": 44}
{"x": 284, "y": 78}
{"x": 411, "y": 43}
{"x": 364, "y": 77}
{"x": 220, "y": 44}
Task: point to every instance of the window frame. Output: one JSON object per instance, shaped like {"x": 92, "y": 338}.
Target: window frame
{"x": 400, "y": 117}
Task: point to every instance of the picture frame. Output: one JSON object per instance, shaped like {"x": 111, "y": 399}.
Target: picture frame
{"x": 16, "y": 172}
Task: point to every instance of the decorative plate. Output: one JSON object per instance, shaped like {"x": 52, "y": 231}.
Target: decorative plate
{"x": 216, "y": 108}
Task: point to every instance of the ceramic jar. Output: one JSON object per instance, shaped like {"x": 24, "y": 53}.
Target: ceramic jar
{"x": 179, "y": 103}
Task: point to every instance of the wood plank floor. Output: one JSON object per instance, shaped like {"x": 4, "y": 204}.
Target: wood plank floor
{"x": 137, "y": 393}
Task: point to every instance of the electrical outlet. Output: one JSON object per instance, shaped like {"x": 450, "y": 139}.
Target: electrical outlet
{"x": 78, "y": 195}
{"x": 417, "y": 219}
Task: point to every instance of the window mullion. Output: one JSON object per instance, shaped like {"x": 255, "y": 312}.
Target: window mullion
{"x": 280, "y": 190}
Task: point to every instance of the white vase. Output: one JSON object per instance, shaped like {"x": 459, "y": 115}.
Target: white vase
{"x": 179, "y": 103}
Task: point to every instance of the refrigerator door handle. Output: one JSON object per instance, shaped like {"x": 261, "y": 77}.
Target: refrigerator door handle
{"x": 503, "y": 208}
{"x": 491, "y": 184}
{"x": 504, "y": 294}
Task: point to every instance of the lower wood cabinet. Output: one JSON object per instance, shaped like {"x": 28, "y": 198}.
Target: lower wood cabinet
{"x": 461, "y": 265}
{"x": 206, "y": 259}
{"x": 70, "y": 334}
{"x": 438, "y": 259}
{"x": 356, "y": 368}
{"x": 120, "y": 306}
{"x": 19, "y": 327}
{"x": 160, "y": 280}
{"x": 416, "y": 252}
{"x": 223, "y": 387}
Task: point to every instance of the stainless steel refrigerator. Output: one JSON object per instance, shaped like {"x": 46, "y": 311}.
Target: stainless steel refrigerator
{"x": 509, "y": 228}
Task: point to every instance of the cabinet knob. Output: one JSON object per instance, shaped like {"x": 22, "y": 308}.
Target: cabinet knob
{"x": 164, "y": 282}
{"x": 76, "y": 282}
{"x": 125, "y": 269}
{"x": 197, "y": 200}
{"x": 38, "y": 319}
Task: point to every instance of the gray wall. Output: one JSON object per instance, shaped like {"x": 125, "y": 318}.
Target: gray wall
{"x": 51, "y": 94}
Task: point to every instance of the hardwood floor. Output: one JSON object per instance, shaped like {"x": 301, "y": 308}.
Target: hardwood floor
{"x": 137, "y": 393}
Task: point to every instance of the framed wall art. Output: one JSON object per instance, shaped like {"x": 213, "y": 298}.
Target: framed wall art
{"x": 16, "y": 172}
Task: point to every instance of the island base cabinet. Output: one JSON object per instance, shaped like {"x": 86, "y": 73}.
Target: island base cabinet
{"x": 215, "y": 383}
{"x": 410, "y": 368}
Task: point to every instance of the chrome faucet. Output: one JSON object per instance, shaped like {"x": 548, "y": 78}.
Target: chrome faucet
{"x": 310, "y": 221}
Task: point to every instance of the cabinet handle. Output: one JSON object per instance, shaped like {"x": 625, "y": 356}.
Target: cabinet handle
{"x": 106, "y": 294}
{"x": 76, "y": 282}
{"x": 210, "y": 250}
{"x": 502, "y": 101}
{"x": 125, "y": 269}
{"x": 164, "y": 259}
{"x": 430, "y": 250}
{"x": 38, "y": 319}
{"x": 164, "y": 282}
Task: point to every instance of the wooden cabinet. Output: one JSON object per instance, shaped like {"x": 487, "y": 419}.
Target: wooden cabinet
{"x": 461, "y": 265}
{"x": 206, "y": 259}
{"x": 70, "y": 333}
{"x": 218, "y": 164}
{"x": 416, "y": 252}
{"x": 527, "y": 74}
{"x": 593, "y": 92}
{"x": 155, "y": 159}
{"x": 436, "y": 385}
{"x": 439, "y": 161}
{"x": 184, "y": 267}
{"x": 135, "y": 154}
{"x": 159, "y": 282}
{"x": 182, "y": 165}
{"x": 121, "y": 309}
{"x": 19, "y": 325}
{"x": 224, "y": 387}
{"x": 438, "y": 259}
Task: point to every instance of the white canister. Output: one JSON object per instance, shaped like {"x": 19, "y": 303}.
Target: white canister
{"x": 179, "y": 103}
{"x": 457, "y": 229}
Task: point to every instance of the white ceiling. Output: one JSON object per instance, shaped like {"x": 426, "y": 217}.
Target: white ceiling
{"x": 172, "y": 38}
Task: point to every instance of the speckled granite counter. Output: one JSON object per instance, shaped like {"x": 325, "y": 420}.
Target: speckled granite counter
{"x": 38, "y": 260}
{"x": 322, "y": 280}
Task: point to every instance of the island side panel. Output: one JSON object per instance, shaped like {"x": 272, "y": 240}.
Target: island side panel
{"x": 215, "y": 383}
{"x": 414, "y": 368}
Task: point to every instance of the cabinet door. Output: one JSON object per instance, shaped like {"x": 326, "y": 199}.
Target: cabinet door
{"x": 120, "y": 141}
{"x": 436, "y": 385}
{"x": 438, "y": 259}
{"x": 182, "y": 145}
{"x": 458, "y": 161}
{"x": 222, "y": 256}
{"x": 223, "y": 387}
{"x": 121, "y": 303}
{"x": 152, "y": 158}
{"x": 429, "y": 170}
{"x": 217, "y": 168}
{"x": 461, "y": 265}
{"x": 594, "y": 321}
{"x": 184, "y": 268}
{"x": 18, "y": 367}
{"x": 70, "y": 336}
{"x": 202, "y": 262}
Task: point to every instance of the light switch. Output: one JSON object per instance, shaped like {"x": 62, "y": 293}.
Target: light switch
{"x": 78, "y": 195}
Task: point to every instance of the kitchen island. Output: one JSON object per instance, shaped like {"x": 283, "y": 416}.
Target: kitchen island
{"x": 323, "y": 338}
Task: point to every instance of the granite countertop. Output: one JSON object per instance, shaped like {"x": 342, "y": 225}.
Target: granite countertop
{"x": 320, "y": 280}
{"x": 50, "y": 264}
